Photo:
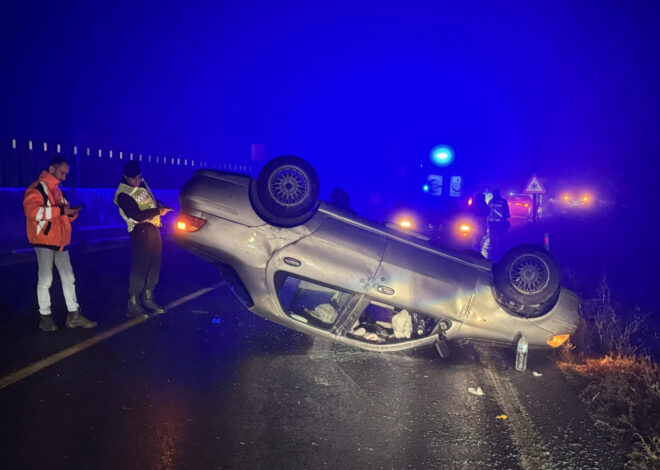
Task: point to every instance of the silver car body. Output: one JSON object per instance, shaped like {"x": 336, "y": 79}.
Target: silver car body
{"x": 375, "y": 265}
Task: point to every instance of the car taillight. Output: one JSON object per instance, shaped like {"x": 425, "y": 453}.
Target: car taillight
{"x": 189, "y": 223}
{"x": 557, "y": 340}
{"x": 464, "y": 230}
{"x": 407, "y": 220}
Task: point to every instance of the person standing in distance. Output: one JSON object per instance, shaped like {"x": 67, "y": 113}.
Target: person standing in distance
{"x": 142, "y": 212}
{"x": 340, "y": 198}
{"x": 479, "y": 211}
{"x": 498, "y": 224}
{"x": 49, "y": 218}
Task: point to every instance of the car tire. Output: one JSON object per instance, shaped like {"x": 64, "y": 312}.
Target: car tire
{"x": 527, "y": 281}
{"x": 286, "y": 191}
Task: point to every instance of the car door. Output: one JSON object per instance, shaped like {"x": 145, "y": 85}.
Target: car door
{"x": 423, "y": 280}
{"x": 320, "y": 279}
{"x": 339, "y": 254}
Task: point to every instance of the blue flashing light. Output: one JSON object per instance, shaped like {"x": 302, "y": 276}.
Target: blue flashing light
{"x": 442, "y": 155}
{"x": 425, "y": 188}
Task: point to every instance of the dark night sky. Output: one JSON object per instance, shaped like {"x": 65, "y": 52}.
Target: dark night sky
{"x": 569, "y": 89}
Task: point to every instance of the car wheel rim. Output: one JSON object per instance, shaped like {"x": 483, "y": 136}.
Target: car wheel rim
{"x": 288, "y": 186}
{"x": 529, "y": 274}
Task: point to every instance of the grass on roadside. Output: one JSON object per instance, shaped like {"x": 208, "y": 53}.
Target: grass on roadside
{"x": 619, "y": 382}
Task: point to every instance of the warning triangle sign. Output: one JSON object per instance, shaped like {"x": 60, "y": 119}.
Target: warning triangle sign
{"x": 534, "y": 186}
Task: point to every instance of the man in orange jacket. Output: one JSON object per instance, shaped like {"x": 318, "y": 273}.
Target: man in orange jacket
{"x": 49, "y": 218}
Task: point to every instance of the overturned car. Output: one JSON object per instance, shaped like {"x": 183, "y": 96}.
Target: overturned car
{"x": 323, "y": 271}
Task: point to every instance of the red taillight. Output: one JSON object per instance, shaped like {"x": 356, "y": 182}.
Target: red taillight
{"x": 464, "y": 230}
{"x": 189, "y": 223}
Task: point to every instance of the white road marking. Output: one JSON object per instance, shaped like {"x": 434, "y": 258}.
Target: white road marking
{"x": 533, "y": 454}
{"x": 76, "y": 348}
{"x": 188, "y": 297}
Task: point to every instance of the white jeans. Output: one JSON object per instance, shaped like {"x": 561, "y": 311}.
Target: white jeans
{"x": 45, "y": 259}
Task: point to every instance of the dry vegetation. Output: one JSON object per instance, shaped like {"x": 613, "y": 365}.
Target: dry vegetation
{"x": 619, "y": 381}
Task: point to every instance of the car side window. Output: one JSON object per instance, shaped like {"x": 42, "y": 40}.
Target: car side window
{"x": 309, "y": 302}
{"x": 383, "y": 323}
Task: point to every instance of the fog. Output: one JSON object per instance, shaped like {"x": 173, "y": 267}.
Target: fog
{"x": 566, "y": 90}
{"x": 560, "y": 89}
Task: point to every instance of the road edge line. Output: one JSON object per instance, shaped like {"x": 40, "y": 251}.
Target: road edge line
{"x": 532, "y": 452}
{"x": 48, "y": 361}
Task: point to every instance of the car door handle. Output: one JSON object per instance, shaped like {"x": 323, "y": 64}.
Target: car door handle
{"x": 292, "y": 262}
{"x": 385, "y": 290}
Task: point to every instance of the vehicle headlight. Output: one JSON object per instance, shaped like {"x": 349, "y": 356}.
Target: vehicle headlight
{"x": 587, "y": 199}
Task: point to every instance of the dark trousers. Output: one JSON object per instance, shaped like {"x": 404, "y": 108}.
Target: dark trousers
{"x": 145, "y": 264}
{"x": 497, "y": 233}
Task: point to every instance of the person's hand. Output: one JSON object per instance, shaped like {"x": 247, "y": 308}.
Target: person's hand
{"x": 164, "y": 210}
{"x": 70, "y": 211}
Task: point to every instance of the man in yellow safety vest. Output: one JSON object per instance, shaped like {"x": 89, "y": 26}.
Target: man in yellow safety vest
{"x": 142, "y": 212}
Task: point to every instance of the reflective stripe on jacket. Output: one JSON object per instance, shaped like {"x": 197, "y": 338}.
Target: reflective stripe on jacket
{"x": 499, "y": 210}
{"x": 45, "y": 223}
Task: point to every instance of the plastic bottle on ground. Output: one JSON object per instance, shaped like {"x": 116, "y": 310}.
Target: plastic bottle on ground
{"x": 521, "y": 353}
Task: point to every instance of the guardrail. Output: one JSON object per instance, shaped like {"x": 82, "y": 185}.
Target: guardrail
{"x": 21, "y": 161}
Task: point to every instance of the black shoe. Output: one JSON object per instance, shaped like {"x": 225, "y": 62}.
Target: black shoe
{"x": 150, "y": 303}
{"x": 47, "y": 324}
{"x": 135, "y": 308}
{"x": 76, "y": 318}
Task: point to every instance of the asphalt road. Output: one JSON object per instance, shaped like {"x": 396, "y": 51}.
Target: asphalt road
{"x": 209, "y": 385}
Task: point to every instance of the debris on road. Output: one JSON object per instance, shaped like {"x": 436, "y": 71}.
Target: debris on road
{"x": 476, "y": 391}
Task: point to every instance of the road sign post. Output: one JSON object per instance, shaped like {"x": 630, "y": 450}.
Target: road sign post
{"x": 534, "y": 187}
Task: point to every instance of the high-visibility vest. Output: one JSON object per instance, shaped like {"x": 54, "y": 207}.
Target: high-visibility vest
{"x": 144, "y": 198}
